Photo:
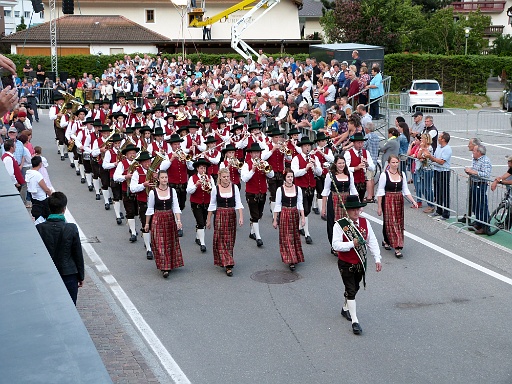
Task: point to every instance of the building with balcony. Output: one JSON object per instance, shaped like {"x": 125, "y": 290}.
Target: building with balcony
{"x": 13, "y": 11}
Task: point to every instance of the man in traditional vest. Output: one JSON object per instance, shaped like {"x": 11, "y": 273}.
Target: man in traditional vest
{"x": 352, "y": 237}
{"x": 359, "y": 161}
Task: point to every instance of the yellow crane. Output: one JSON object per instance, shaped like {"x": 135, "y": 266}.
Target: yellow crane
{"x": 196, "y": 20}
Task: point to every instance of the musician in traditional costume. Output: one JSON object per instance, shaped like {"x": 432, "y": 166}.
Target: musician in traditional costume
{"x": 275, "y": 155}
{"x": 55, "y": 116}
{"x": 146, "y": 139}
{"x": 390, "y": 198}
{"x": 99, "y": 148}
{"x": 222, "y": 128}
{"x": 213, "y": 113}
{"x": 164, "y": 214}
{"x": 121, "y": 105}
{"x": 239, "y": 140}
{"x": 206, "y": 129}
{"x": 291, "y": 143}
{"x": 255, "y": 136}
{"x": 359, "y": 161}
{"x": 169, "y": 127}
{"x": 96, "y": 109}
{"x": 136, "y": 117}
{"x": 339, "y": 183}
{"x": 159, "y": 145}
{"x": 199, "y": 187}
{"x": 288, "y": 205}
{"x": 240, "y": 119}
{"x": 325, "y": 157}
{"x": 212, "y": 154}
{"x": 200, "y": 110}
{"x": 119, "y": 121}
{"x": 254, "y": 174}
{"x": 305, "y": 168}
{"x": 224, "y": 201}
{"x": 105, "y": 111}
{"x": 158, "y": 117}
{"x": 72, "y": 130}
{"x": 232, "y": 164}
{"x": 228, "y": 116}
{"x": 122, "y": 176}
{"x": 149, "y": 102}
{"x": 193, "y": 142}
{"x": 353, "y": 236}
{"x": 182, "y": 116}
{"x": 84, "y": 141}
{"x": 110, "y": 162}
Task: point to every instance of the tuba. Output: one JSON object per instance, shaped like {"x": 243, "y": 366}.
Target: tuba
{"x": 153, "y": 168}
{"x": 68, "y": 98}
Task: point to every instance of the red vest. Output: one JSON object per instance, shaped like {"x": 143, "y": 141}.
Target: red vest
{"x": 17, "y": 170}
{"x": 321, "y": 158}
{"x": 189, "y": 144}
{"x": 142, "y": 196}
{"x": 113, "y": 159}
{"x": 307, "y": 180}
{"x": 276, "y": 160}
{"x": 199, "y": 196}
{"x": 126, "y": 165}
{"x": 214, "y": 168}
{"x": 359, "y": 176}
{"x": 177, "y": 172}
{"x": 234, "y": 173}
{"x": 292, "y": 148}
{"x": 351, "y": 256}
{"x": 257, "y": 183}
{"x": 99, "y": 159}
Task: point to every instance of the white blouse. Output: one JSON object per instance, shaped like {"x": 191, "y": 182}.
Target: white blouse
{"x": 382, "y": 184}
{"x": 213, "y": 198}
{"x": 328, "y": 182}
{"x": 279, "y": 198}
{"x": 151, "y": 201}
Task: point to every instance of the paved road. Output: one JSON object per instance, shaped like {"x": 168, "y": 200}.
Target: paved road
{"x": 429, "y": 317}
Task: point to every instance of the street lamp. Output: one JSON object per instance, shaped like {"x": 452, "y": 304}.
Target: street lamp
{"x": 466, "y": 33}
{"x": 181, "y": 7}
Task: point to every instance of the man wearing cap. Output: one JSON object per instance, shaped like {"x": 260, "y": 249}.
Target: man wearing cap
{"x": 305, "y": 168}
{"x": 276, "y": 158}
{"x": 84, "y": 140}
{"x": 418, "y": 125}
{"x": 123, "y": 176}
{"x": 199, "y": 187}
{"x": 352, "y": 238}
{"x": 358, "y": 160}
{"x": 110, "y": 161}
{"x": 55, "y": 115}
{"x": 255, "y": 188}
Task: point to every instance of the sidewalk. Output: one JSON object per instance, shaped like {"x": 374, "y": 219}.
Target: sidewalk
{"x": 495, "y": 91}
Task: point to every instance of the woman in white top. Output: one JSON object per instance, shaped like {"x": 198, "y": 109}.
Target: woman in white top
{"x": 225, "y": 201}
{"x": 392, "y": 189}
{"x": 289, "y": 205}
{"x": 163, "y": 205}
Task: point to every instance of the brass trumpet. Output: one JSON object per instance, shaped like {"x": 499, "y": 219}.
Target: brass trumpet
{"x": 235, "y": 163}
{"x": 283, "y": 148}
{"x": 205, "y": 183}
{"x": 182, "y": 156}
{"x": 262, "y": 165}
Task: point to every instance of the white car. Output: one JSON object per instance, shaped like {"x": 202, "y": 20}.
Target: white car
{"x": 425, "y": 93}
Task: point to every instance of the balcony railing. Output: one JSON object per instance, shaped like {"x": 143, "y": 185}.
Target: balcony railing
{"x": 484, "y": 6}
{"x": 493, "y": 30}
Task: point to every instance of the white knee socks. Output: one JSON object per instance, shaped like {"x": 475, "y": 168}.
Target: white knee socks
{"x": 131, "y": 225}
{"x": 147, "y": 240}
{"x": 106, "y": 195}
{"x": 256, "y": 229}
{"x": 96, "y": 184}
{"x": 306, "y": 227}
{"x": 117, "y": 209}
{"x": 200, "y": 236}
{"x": 88, "y": 178}
{"x": 352, "y": 308}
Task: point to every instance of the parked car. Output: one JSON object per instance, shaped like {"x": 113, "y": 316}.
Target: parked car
{"x": 425, "y": 93}
{"x": 507, "y": 97}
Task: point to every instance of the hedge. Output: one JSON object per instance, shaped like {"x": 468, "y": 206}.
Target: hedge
{"x": 463, "y": 74}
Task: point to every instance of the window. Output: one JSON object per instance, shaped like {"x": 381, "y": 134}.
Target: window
{"x": 16, "y": 13}
{"x": 150, "y": 15}
{"x": 7, "y": 13}
{"x": 27, "y": 15}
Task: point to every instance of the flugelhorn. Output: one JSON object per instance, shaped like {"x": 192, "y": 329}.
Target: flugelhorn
{"x": 182, "y": 156}
{"x": 263, "y": 165}
{"x": 235, "y": 163}
{"x": 205, "y": 183}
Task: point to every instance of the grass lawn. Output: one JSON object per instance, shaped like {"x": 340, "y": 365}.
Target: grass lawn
{"x": 456, "y": 100}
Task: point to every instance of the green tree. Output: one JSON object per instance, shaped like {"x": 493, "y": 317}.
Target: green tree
{"x": 21, "y": 26}
{"x": 502, "y": 45}
{"x": 331, "y": 30}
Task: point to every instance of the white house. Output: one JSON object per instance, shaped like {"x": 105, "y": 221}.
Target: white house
{"x": 13, "y": 11}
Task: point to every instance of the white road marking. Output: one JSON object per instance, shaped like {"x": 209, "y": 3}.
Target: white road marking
{"x": 450, "y": 112}
{"x": 445, "y": 252}
{"x": 168, "y": 363}
{"x": 486, "y": 144}
{"x": 498, "y": 132}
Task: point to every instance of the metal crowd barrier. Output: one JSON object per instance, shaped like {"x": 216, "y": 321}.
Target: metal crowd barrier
{"x": 489, "y": 121}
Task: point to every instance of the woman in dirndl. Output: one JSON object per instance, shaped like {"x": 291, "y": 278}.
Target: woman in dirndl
{"x": 163, "y": 205}
{"x": 225, "y": 201}
{"x": 342, "y": 186}
{"x": 290, "y": 209}
{"x": 390, "y": 199}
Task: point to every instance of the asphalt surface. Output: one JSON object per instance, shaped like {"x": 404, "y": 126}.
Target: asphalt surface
{"x": 428, "y": 317}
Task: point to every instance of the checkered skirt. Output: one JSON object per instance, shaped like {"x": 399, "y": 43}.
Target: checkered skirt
{"x": 289, "y": 236}
{"x": 393, "y": 212}
{"x": 164, "y": 241}
{"x": 224, "y": 237}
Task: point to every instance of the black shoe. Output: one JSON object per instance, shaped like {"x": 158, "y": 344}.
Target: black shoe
{"x": 107, "y": 206}
{"x": 346, "y": 314}
{"x": 121, "y": 215}
{"x": 72, "y": 165}
{"x": 292, "y": 267}
{"x": 149, "y": 255}
{"x": 203, "y": 248}
{"x": 77, "y": 173}
{"x": 259, "y": 242}
{"x": 317, "y": 212}
{"x": 356, "y": 328}
{"x": 58, "y": 151}
{"x": 110, "y": 201}
{"x": 198, "y": 242}
{"x": 119, "y": 221}
{"x": 91, "y": 188}
{"x": 324, "y": 218}
{"x": 62, "y": 158}
{"x": 301, "y": 231}
{"x": 309, "y": 240}
{"x": 334, "y": 252}
{"x": 66, "y": 155}
{"x": 252, "y": 236}
{"x": 133, "y": 238}
{"x": 98, "y": 196}
{"x": 165, "y": 274}
{"x": 386, "y": 246}
{"x": 82, "y": 180}
{"x": 463, "y": 219}
{"x": 180, "y": 232}
{"x": 229, "y": 272}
